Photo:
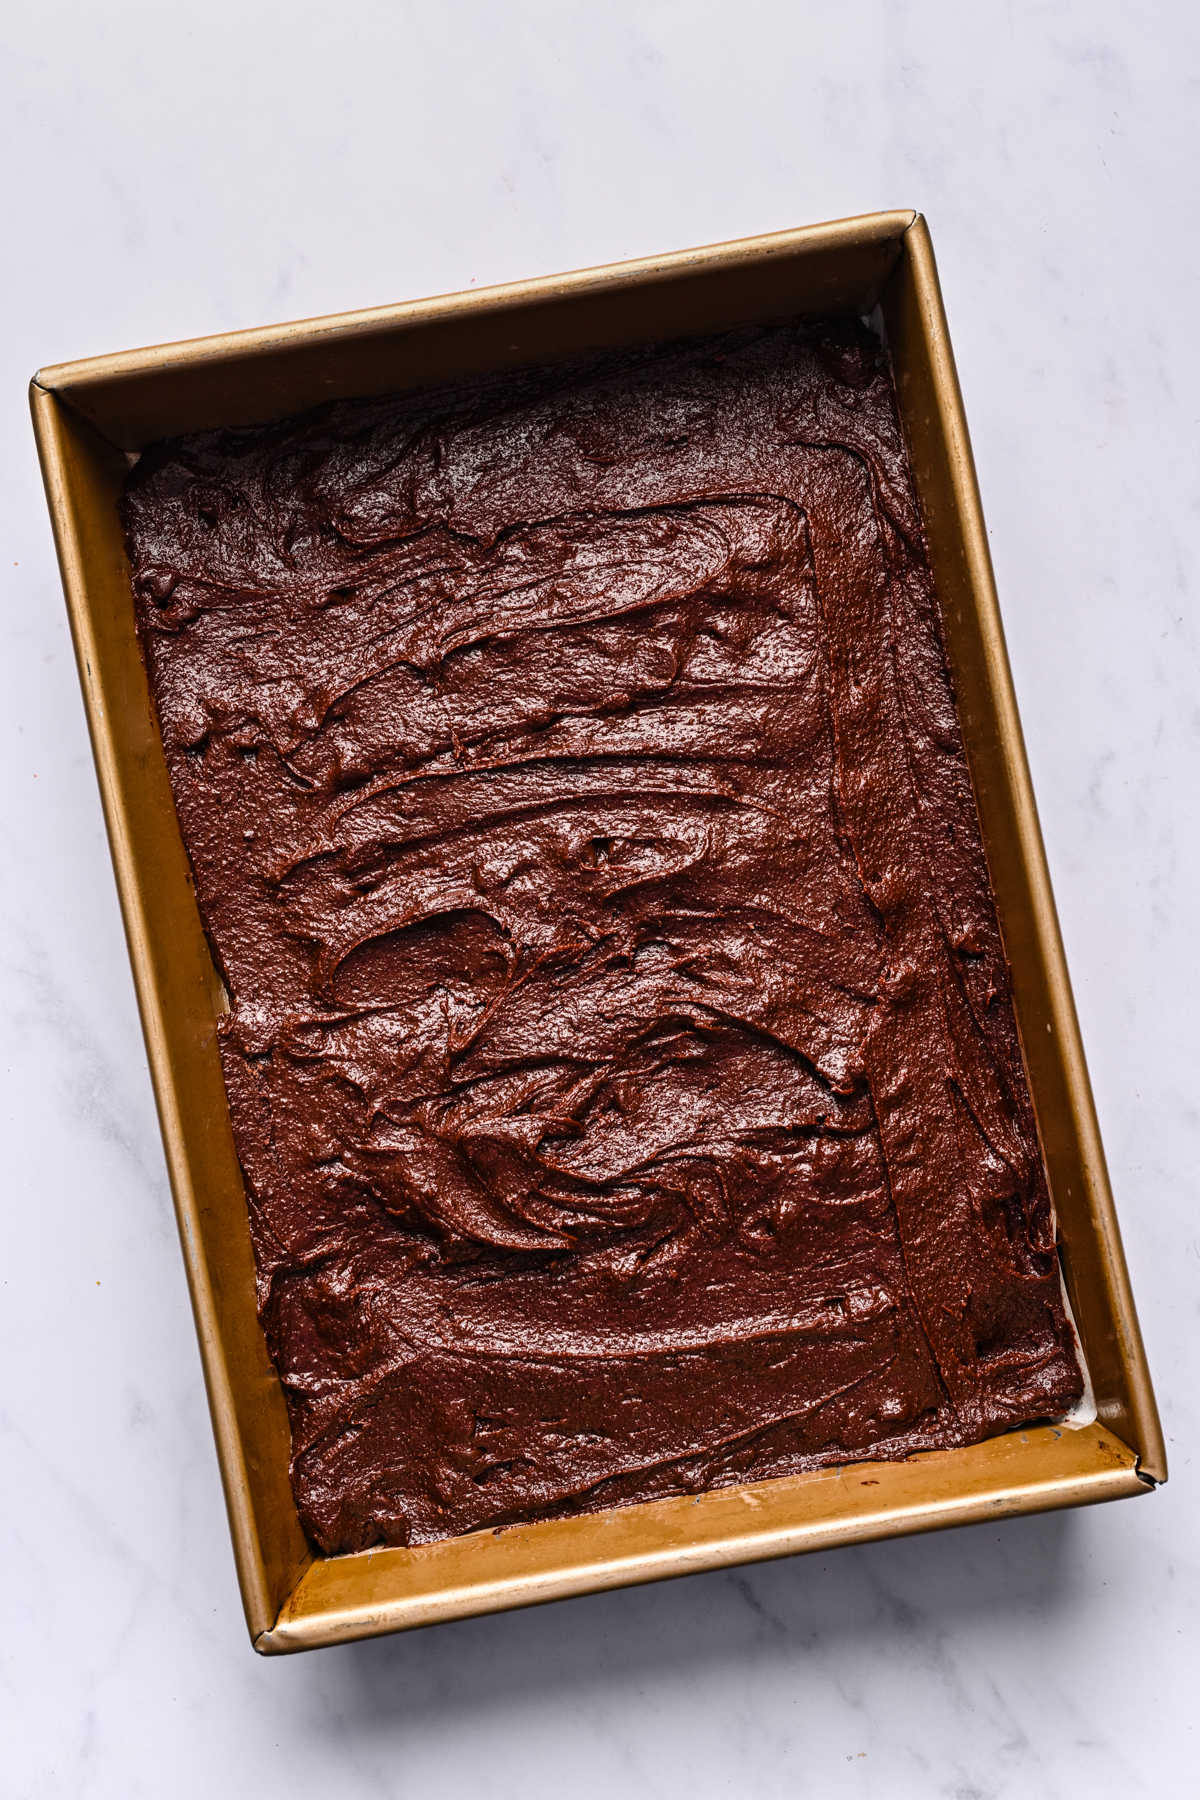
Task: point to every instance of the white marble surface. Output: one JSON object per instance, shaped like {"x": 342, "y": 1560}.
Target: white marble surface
{"x": 172, "y": 170}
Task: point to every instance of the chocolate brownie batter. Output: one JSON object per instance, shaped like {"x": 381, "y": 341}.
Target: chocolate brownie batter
{"x": 620, "y": 1049}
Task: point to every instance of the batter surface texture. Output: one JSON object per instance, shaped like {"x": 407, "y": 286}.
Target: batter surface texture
{"x": 620, "y": 1051}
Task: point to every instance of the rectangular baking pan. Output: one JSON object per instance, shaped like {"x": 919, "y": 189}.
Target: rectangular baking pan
{"x": 89, "y": 417}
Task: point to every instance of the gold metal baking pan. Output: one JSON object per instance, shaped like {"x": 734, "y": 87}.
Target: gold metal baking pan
{"x": 88, "y": 416}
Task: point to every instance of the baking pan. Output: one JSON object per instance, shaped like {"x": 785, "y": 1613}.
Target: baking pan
{"x": 89, "y": 417}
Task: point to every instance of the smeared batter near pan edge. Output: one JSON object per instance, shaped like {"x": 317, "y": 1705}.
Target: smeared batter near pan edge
{"x": 621, "y": 1054}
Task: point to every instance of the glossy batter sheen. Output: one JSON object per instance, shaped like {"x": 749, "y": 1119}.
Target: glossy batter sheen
{"x": 620, "y": 1049}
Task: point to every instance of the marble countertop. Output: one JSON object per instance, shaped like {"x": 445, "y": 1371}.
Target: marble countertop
{"x": 180, "y": 170}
